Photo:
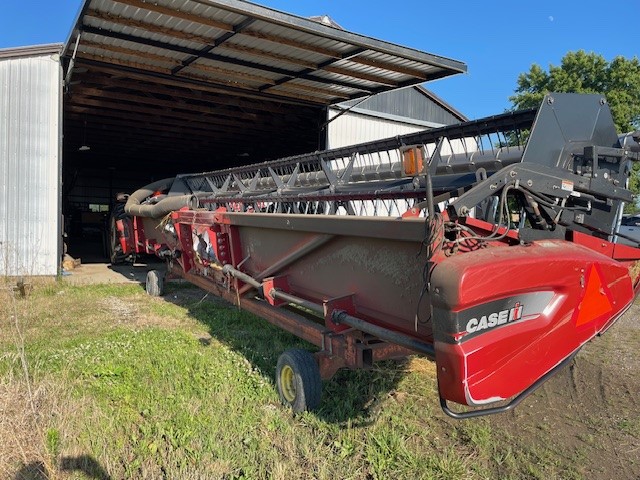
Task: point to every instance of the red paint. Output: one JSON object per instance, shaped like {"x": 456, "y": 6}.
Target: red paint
{"x": 588, "y": 279}
{"x": 502, "y": 362}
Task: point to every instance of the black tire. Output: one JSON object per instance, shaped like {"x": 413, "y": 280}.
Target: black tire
{"x": 298, "y": 380}
{"x": 155, "y": 283}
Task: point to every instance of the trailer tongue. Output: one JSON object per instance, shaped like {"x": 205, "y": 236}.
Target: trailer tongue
{"x": 497, "y": 261}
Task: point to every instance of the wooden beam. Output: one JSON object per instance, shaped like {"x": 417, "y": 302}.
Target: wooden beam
{"x": 292, "y": 43}
{"x": 171, "y": 12}
{"x": 127, "y": 51}
{"x": 186, "y": 118}
{"x": 149, "y": 85}
{"x": 182, "y": 74}
{"x": 125, "y": 63}
{"x": 149, "y": 27}
{"x": 234, "y": 47}
{"x": 270, "y": 38}
{"x": 209, "y": 41}
{"x": 230, "y": 73}
{"x": 361, "y": 76}
{"x": 222, "y": 72}
{"x": 148, "y": 100}
{"x": 109, "y": 121}
{"x": 117, "y": 135}
{"x": 309, "y": 88}
{"x": 182, "y": 82}
{"x": 389, "y": 67}
{"x": 307, "y": 64}
{"x": 111, "y": 126}
{"x": 285, "y": 93}
{"x": 114, "y": 109}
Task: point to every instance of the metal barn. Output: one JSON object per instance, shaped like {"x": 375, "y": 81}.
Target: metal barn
{"x": 30, "y": 160}
{"x": 141, "y": 91}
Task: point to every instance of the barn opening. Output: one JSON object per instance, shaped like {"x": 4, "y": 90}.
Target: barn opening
{"x": 179, "y": 86}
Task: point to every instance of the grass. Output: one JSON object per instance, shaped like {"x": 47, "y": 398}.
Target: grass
{"x": 129, "y": 386}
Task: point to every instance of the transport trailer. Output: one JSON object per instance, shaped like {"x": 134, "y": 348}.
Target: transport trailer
{"x": 497, "y": 261}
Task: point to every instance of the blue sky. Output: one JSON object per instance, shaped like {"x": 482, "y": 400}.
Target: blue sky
{"x": 498, "y": 40}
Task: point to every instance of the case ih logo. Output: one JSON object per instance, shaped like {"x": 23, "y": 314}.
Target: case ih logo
{"x": 493, "y": 320}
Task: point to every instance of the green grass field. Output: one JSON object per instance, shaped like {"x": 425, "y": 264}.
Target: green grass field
{"x": 106, "y": 382}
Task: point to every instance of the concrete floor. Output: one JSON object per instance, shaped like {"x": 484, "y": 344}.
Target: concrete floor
{"x": 95, "y": 268}
{"x": 91, "y": 273}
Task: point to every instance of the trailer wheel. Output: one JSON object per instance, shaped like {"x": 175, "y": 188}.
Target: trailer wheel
{"x": 298, "y": 380}
{"x": 155, "y": 283}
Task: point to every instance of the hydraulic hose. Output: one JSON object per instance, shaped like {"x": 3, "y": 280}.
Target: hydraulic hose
{"x": 167, "y": 204}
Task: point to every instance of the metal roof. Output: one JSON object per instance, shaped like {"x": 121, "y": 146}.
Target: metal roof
{"x": 215, "y": 82}
{"x": 31, "y": 51}
{"x": 249, "y": 48}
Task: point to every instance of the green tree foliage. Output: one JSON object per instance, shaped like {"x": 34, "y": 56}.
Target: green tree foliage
{"x": 582, "y": 72}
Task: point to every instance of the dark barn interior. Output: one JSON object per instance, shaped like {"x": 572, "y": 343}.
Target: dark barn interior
{"x": 180, "y": 86}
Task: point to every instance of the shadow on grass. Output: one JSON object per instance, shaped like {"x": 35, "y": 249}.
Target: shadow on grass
{"x": 348, "y": 396}
{"x": 138, "y": 271}
{"x": 84, "y": 463}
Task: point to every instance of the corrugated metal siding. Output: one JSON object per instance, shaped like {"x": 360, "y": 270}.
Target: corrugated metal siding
{"x": 352, "y": 128}
{"x": 30, "y": 112}
{"x": 407, "y": 102}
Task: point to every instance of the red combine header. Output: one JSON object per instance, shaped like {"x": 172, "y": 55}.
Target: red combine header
{"x": 498, "y": 261}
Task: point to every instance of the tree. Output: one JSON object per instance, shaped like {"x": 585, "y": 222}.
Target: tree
{"x": 581, "y": 72}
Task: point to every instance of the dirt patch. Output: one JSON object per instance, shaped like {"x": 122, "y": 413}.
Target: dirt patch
{"x": 123, "y": 310}
{"x": 589, "y": 411}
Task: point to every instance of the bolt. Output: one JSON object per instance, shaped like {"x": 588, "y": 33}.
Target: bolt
{"x": 529, "y": 183}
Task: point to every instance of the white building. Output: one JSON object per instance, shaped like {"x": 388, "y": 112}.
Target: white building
{"x": 140, "y": 93}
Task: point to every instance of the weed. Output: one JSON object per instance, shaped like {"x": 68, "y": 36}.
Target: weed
{"x": 128, "y": 386}
{"x": 52, "y": 442}
{"x": 630, "y": 426}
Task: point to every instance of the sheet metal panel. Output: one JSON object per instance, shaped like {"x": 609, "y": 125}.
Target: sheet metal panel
{"x": 362, "y": 126}
{"x": 410, "y": 102}
{"x": 30, "y": 113}
{"x": 352, "y": 129}
{"x": 179, "y": 29}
